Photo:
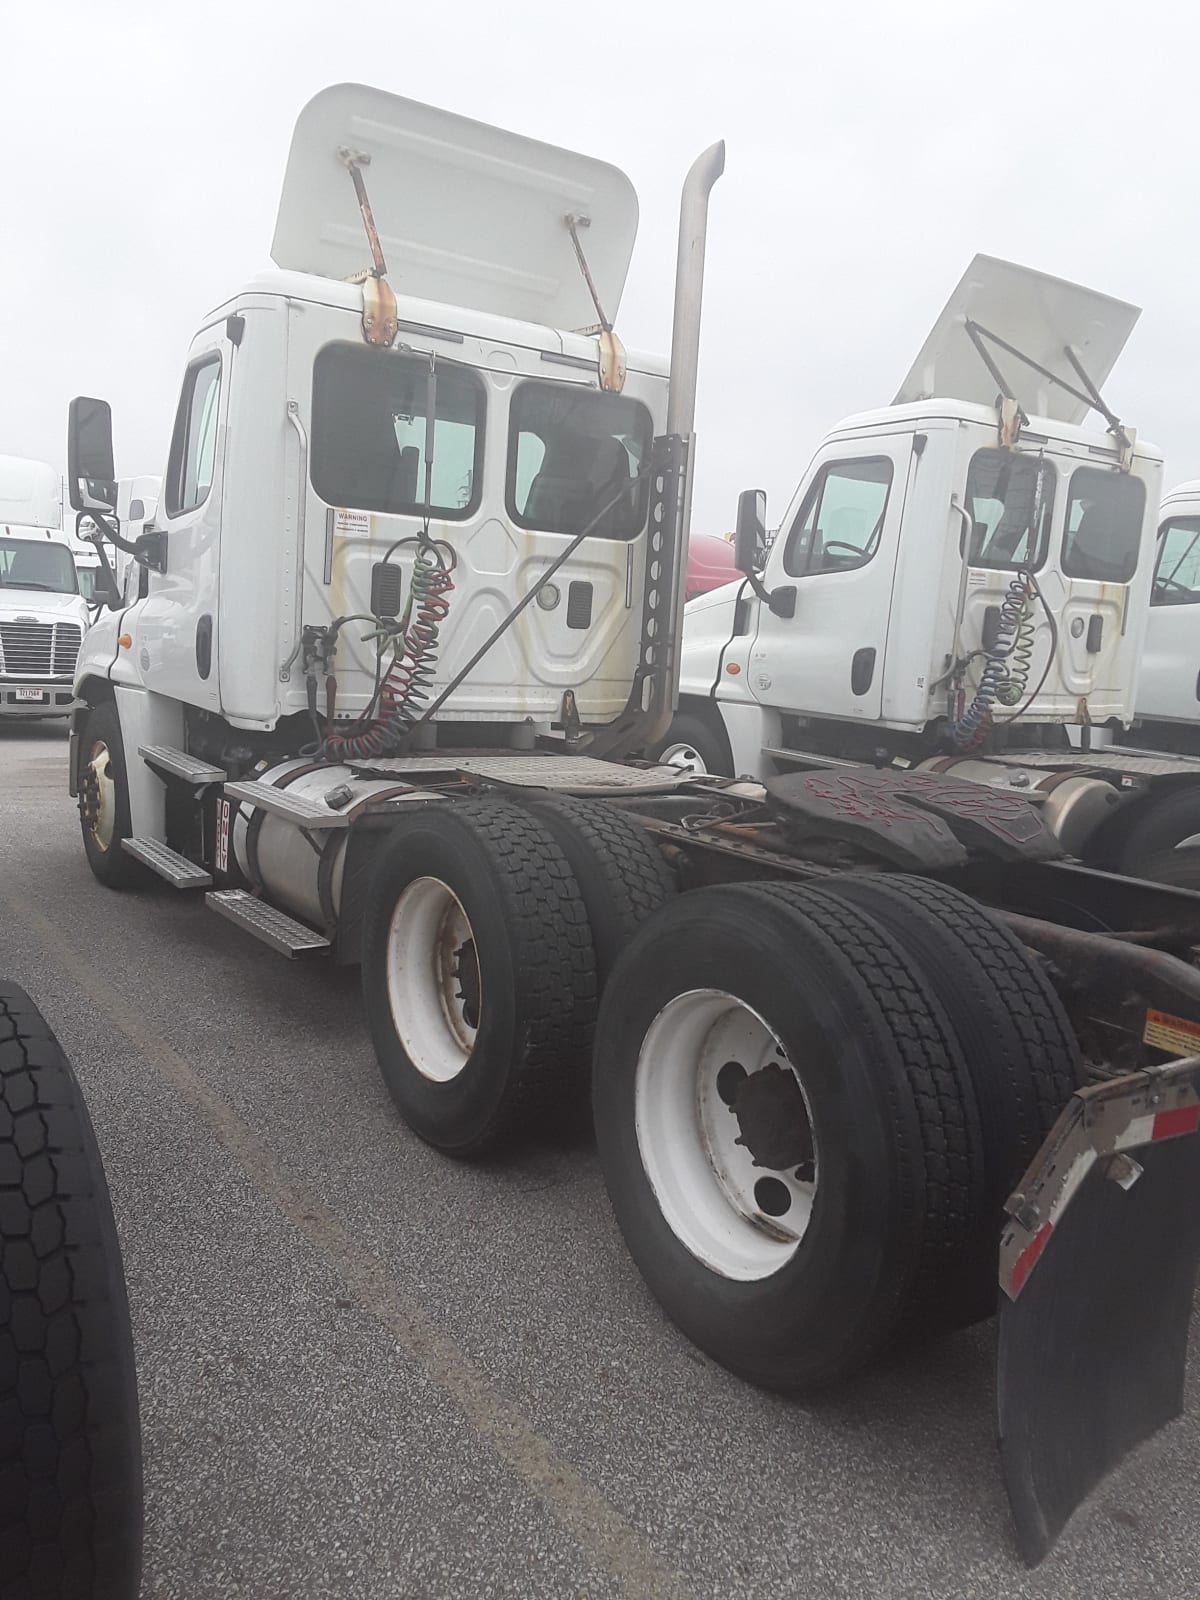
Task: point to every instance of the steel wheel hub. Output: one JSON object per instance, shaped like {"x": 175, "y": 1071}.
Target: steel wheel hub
{"x": 433, "y": 982}
{"x": 726, "y": 1135}
{"x": 98, "y": 796}
{"x": 684, "y": 756}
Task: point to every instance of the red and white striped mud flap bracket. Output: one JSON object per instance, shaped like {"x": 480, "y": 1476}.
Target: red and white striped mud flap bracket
{"x": 1098, "y": 1277}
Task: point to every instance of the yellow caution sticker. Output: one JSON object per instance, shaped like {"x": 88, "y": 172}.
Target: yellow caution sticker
{"x": 1176, "y": 1035}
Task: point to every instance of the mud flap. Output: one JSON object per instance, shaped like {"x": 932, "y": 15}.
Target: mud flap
{"x": 1098, "y": 1273}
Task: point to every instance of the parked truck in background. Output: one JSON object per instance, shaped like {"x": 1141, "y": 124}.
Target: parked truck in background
{"x": 43, "y": 615}
{"x": 1168, "y": 701}
{"x": 961, "y": 585}
{"x": 409, "y": 609}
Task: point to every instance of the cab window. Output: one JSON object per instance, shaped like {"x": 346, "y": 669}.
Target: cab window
{"x": 840, "y": 523}
{"x": 369, "y": 427}
{"x": 1103, "y": 526}
{"x": 1177, "y": 572}
{"x": 575, "y": 459}
{"x": 194, "y": 440}
{"x": 1010, "y": 499}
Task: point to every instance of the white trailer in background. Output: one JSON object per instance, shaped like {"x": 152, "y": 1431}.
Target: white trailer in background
{"x": 409, "y": 609}
{"x": 42, "y": 613}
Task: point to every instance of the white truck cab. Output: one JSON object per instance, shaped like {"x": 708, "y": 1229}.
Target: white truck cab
{"x": 961, "y": 580}
{"x": 43, "y": 615}
{"x": 1168, "y": 701}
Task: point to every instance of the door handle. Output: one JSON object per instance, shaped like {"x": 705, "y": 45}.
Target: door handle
{"x": 204, "y": 645}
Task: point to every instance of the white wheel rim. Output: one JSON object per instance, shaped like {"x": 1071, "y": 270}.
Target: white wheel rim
{"x": 684, "y": 756}
{"x": 103, "y": 794}
{"x": 433, "y": 979}
{"x": 741, "y": 1219}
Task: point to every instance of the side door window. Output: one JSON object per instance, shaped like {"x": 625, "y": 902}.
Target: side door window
{"x": 1177, "y": 574}
{"x": 840, "y": 523}
{"x": 194, "y": 440}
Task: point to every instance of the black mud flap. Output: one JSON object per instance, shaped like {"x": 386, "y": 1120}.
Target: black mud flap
{"x": 1098, "y": 1273}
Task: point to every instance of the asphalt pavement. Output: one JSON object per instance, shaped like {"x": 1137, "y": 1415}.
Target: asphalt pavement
{"x": 368, "y": 1371}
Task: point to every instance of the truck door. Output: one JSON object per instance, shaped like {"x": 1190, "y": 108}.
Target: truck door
{"x": 1103, "y": 528}
{"x": 1170, "y": 681}
{"x": 838, "y": 552}
{"x": 176, "y": 628}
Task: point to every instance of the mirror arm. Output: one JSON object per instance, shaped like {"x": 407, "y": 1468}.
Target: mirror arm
{"x": 148, "y": 549}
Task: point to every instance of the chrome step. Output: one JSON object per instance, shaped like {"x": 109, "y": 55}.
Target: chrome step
{"x": 164, "y": 758}
{"x": 283, "y": 803}
{"x": 179, "y": 872}
{"x": 276, "y": 928}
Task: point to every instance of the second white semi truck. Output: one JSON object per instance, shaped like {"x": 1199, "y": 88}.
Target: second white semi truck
{"x": 961, "y": 585}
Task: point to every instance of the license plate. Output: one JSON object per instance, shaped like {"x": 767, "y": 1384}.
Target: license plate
{"x": 29, "y": 694}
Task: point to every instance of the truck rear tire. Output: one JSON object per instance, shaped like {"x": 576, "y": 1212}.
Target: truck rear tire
{"x": 1156, "y": 824}
{"x": 781, "y": 1132}
{"x": 479, "y": 974}
{"x": 104, "y": 799}
{"x": 1179, "y": 867}
{"x": 694, "y": 746}
{"x": 1019, "y": 1050}
{"x": 70, "y": 1451}
{"x": 620, "y": 872}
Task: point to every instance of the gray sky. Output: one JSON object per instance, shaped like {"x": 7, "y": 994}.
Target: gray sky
{"x": 873, "y": 148}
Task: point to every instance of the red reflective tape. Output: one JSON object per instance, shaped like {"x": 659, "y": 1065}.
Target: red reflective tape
{"x": 1170, "y": 1124}
{"x": 1028, "y": 1258}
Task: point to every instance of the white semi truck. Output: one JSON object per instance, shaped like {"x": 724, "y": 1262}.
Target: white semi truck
{"x": 962, "y": 584}
{"x": 411, "y": 601}
{"x": 42, "y": 613}
{"x": 1168, "y": 701}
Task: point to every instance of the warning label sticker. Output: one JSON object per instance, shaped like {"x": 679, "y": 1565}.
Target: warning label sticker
{"x": 1176, "y": 1035}
{"x": 354, "y": 524}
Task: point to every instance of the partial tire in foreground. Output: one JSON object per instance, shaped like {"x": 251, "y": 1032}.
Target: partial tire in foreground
{"x": 785, "y": 1142}
{"x": 104, "y": 799}
{"x": 70, "y": 1452}
{"x": 1019, "y": 1051}
{"x": 620, "y": 872}
{"x": 479, "y": 974}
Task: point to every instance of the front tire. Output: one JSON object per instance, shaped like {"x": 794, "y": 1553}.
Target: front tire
{"x": 103, "y": 787}
{"x": 70, "y": 1452}
{"x": 479, "y": 975}
{"x": 1159, "y": 823}
{"x": 693, "y": 746}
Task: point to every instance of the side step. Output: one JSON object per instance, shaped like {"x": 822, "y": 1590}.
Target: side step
{"x": 276, "y": 928}
{"x": 179, "y": 872}
{"x": 164, "y": 758}
{"x": 283, "y": 803}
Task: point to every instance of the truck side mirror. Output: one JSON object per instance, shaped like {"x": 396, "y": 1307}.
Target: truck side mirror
{"x": 91, "y": 479}
{"x": 750, "y": 537}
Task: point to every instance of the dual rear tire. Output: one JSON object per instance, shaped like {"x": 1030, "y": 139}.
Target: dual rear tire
{"x": 489, "y": 933}
{"x": 806, "y": 1144}
{"x": 810, "y": 1103}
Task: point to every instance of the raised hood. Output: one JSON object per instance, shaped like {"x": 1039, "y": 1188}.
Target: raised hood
{"x": 467, "y": 214}
{"x": 1037, "y": 314}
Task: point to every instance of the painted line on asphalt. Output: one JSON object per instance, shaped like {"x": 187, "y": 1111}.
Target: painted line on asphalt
{"x": 594, "y": 1523}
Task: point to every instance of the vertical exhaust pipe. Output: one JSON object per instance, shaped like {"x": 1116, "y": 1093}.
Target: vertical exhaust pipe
{"x": 689, "y": 287}
{"x": 656, "y": 683}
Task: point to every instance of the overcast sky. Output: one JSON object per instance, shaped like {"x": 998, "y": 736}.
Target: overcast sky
{"x": 872, "y": 150}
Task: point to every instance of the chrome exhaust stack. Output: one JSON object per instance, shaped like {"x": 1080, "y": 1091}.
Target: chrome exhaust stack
{"x": 689, "y": 287}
